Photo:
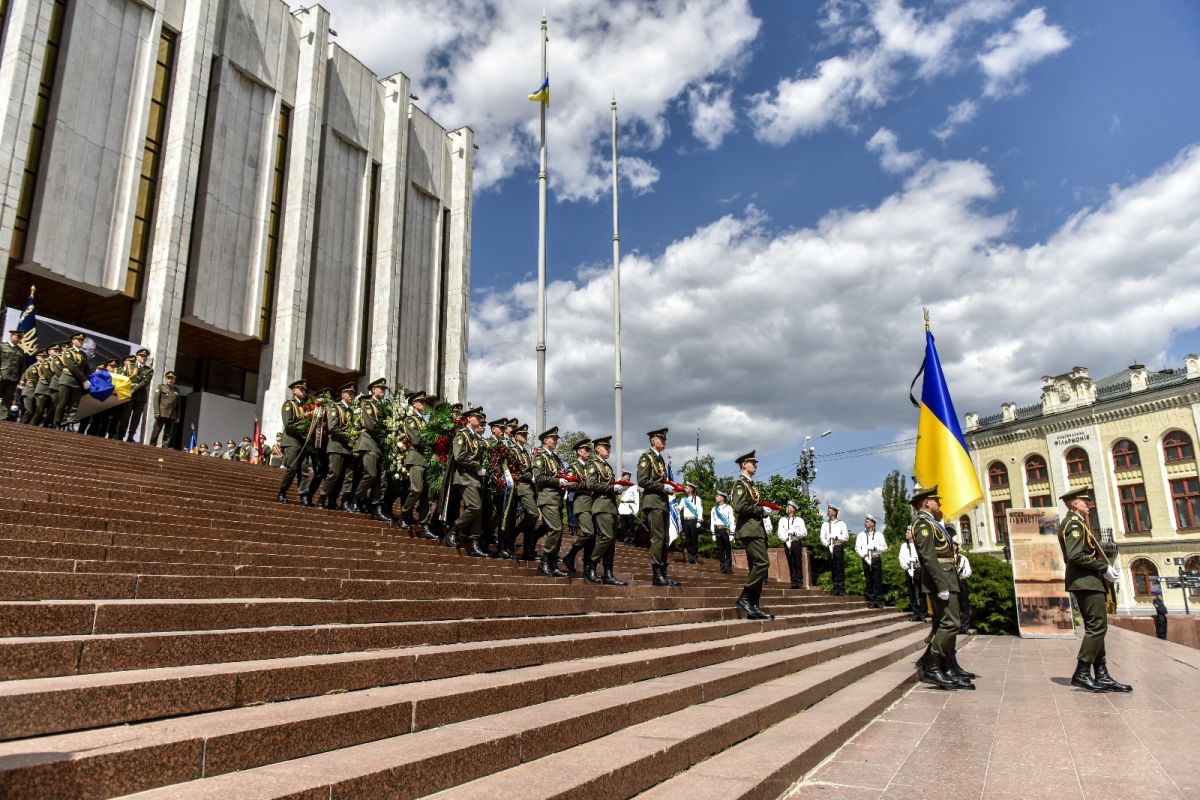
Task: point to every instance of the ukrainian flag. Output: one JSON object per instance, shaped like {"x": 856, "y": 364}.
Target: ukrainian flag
{"x": 542, "y": 95}
{"x": 27, "y": 325}
{"x": 942, "y": 457}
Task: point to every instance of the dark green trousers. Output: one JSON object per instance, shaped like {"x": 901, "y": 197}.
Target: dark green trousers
{"x": 470, "y": 511}
{"x": 657, "y": 520}
{"x": 335, "y": 475}
{"x": 603, "y": 525}
{"x": 417, "y": 500}
{"x": 757, "y": 561}
{"x": 1094, "y": 610}
{"x": 551, "y": 512}
{"x": 586, "y": 539}
{"x": 946, "y": 622}
{"x": 294, "y": 459}
{"x": 369, "y": 487}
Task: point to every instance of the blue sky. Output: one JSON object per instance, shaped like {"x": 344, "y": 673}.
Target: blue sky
{"x": 787, "y": 224}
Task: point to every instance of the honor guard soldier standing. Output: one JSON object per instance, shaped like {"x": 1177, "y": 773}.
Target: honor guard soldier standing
{"x": 340, "y": 450}
{"x": 1088, "y": 571}
{"x": 370, "y": 449}
{"x": 652, "y": 478}
{"x": 166, "y": 411}
{"x": 295, "y": 443}
{"x": 599, "y": 481}
{"x": 792, "y": 532}
{"x": 71, "y": 381}
{"x": 467, "y": 480}
{"x": 834, "y": 535}
{"x": 415, "y": 512}
{"x": 139, "y": 391}
{"x": 548, "y": 470}
{"x": 586, "y": 540}
{"x": 43, "y": 394}
{"x": 939, "y": 577}
{"x": 753, "y": 535}
{"x": 29, "y": 383}
{"x": 12, "y": 364}
{"x": 870, "y": 546}
{"x": 526, "y": 495}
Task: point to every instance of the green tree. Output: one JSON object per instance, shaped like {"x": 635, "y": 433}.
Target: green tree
{"x": 897, "y": 513}
{"x": 993, "y": 597}
{"x": 566, "y": 445}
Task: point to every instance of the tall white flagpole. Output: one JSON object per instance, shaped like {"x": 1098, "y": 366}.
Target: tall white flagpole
{"x": 541, "y": 343}
{"x": 620, "y": 423}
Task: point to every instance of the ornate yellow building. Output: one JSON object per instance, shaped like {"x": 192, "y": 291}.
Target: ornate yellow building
{"x": 1131, "y": 437}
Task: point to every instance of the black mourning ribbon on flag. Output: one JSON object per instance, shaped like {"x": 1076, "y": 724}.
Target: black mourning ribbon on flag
{"x": 913, "y": 385}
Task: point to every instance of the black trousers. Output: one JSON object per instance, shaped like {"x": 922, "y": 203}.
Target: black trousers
{"x": 628, "y": 535}
{"x": 164, "y": 426}
{"x": 724, "y": 549}
{"x": 873, "y": 572}
{"x": 8, "y": 390}
{"x": 964, "y": 603}
{"x": 795, "y": 556}
{"x": 837, "y": 566}
{"x": 691, "y": 536}
{"x": 916, "y": 598}
{"x": 131, "y": 420}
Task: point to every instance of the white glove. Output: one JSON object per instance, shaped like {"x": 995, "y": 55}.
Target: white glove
{"x": 944, "y": 594}
{"x": 87, "y": 385}
{"x": 1111, "y": 573}
{"x": 481, "y": 472}
{"x": 964, "y": 566}
{"x": 667, "y": 488}
{"x": 563, "y": 483}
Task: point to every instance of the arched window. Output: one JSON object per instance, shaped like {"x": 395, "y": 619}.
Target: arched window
{"x": 1078, "y": 462}
{"x": 964, "y": 529}
{"x": 1177, "y": 446}
{"x": 998, "y": 476}
{"x": 1035, "y": 469}
{"x": 1192, "y": 567}
{"x": 1143, "y": 570}
{"x": 1125, "y": 455}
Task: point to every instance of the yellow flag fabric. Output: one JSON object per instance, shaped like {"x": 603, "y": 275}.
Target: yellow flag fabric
{"x": 942, "y": 459}
{"x": 542, "y": 95}
{"x": 121, "y": 386}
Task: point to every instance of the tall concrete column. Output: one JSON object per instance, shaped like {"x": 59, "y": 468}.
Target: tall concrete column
{"x": 21, "y": 64}
{"x": 458, "y": 266}
{"x": 383, "y": 353}
{"x": 283, "y": 358}
{"x": 156, "y": 318}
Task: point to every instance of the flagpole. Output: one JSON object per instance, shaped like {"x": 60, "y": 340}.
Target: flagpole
{"x": 620, "y": 424}
{"x": 541, "y": 343}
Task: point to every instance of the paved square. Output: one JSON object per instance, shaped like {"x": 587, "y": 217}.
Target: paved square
{"x": 1026, "y": 733}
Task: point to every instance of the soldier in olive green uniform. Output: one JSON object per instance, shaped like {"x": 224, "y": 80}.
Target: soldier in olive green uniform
{"x": 586, "y": 539}
{"x": 140, "y": 377}
{"x": 599, "y": 481}
{"x": 44, "y": 394}
{"x": 414, "y": 513}
{"x": 12, "y": 365}
{"x": 340, "y": 450}
{"x": 939, "y": 578}
{"x": 294, "y": 441}
{"x": 547, "y": 471}
{"x": 1088, "y": 571}
{"x": 370, "y": 451}
{"x": 531, "y": 523}
{"x": 652, "y": 476}
{"x": 75, "y": 372}
{"x": 467, "y": 481}
{"x": 29, "y": 383}
{"x": 750, "y": 531}
{"x": 166, "y": 411}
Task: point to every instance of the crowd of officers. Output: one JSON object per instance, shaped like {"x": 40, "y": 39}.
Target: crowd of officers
{"x": 47, "y": 392}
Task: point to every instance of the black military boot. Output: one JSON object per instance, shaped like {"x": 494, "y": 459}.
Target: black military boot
{"x": 957, "y": 669}
{"x": 473, "y": 548}
{"x": 744, "y": 603}
{"x": 1083, "y": 678}
{"x": 504, "y": 546}
{"x": 569, "y": 561}
{"x": 925, "y": 660}
{"x": 763, "y": 613}
{"x": 1106, "y": 681}
{"x": 450, "y": 539}
{"x": 589, "y": 570}
{"x": 668, "y": 579}
{"x": 306, "y": 500}
{"x": 962, "y": 681}
{"x": 933, "y": 675}
{"x": 610, "y": 579}
{"x": 548, "y": 567}
{"x": 281, "y": 498}
{"x": 660, "y": 578}
{"x": 378, "y": 513}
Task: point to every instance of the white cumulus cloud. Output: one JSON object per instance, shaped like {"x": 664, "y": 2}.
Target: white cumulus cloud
{"x": 891, "y": 157}
{"x": 710, "y": 107}
{"x": 1008, "y": 55}
{"x": 958, "y": 115}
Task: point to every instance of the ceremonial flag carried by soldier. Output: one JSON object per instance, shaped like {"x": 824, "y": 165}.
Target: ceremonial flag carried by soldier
{"x": 191, "y": 448}
{"x": 673, "y": 507}
{"x": 27, "y": 326}
{"x": 942, "y": 458}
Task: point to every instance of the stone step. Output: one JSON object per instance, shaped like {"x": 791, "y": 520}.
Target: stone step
{"x": 47, "y": 705}
{"x": 607, "y": 743}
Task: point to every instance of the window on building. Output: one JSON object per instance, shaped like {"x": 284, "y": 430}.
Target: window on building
{"x": 1078, "y": 462}
{"x": 1125, "y": 455}
{"x": 1041, "y": 501}
{"x": 275, "y": 222}
{"x": 964, "y": 529}
{"x": 1185, "y": 496}
{"x": 1192, "y": 567}
{"x": 1000, "y": 519}
{"x": 1134, "y": 509}
{"x": 1143, "y": 570}
{"x": 1177, "y": 446}
{"x": 1035, "y": 469}
{"x": 998, "y": 476}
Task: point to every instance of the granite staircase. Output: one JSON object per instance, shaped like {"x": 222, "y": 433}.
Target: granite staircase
{"x": 167, "y": 630}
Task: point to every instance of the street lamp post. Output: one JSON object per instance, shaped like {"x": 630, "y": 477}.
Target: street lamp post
{"x": 806, "y": 468}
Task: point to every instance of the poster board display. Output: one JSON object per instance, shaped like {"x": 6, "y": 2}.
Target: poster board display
{"x": 1043, "y": 605}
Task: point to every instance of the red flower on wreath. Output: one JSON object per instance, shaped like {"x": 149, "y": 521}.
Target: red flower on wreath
{"x": 442, "y": 447}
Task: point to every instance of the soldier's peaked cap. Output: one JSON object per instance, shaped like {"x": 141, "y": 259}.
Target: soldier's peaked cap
{"x": 413, "y": 397}
{"x": 522, "y": 430}
{"x": 605, "y": 440}
{"x": 14, "y": 332}
{"x": 477, "y": 411}
{"x": 169, "y": 374}
{"x": 1082, "y": 493}
{"x": 349, "y": 387}
{"x": 142, "y": 352}
{"x": 381, "y": 382}
{"x": 498, "y": 422}
{"x": 511, "y": 422}
{"x": 923, "y": 495}
{"x": 546, "y": 434}
{"x": 584, "y": 444}
{"x": 129, "y": 358}
{"x": 660, "y": 432}
{"x": 300, "y": 384}
{"x": 78, "y": 335}
{"x": 747, "y": 457}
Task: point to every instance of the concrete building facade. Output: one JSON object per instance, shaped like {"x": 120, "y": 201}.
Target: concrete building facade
{"x": 220, "y": 181}
{"x": 1131, "y": 437}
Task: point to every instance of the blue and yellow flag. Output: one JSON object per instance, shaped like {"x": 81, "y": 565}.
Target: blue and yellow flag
{"x": 27, "y": 326}
{"x": 942, "y": 457}
{"x": 191, "y": 448}
{"x": 542, "y": 95}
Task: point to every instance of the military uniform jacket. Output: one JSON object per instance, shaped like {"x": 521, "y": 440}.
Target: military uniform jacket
{"x": 521, "y": 464}
{"x": 936, "y": 554}
{"x": 468, "y": 458}
{"x": 598, "y": 478}
{"x": 338, "y": 418}
{"x": 583, "y": 493}
{"x": 1085, "y": 560}
{"x": 139, "y": 382}
{"x": 417, "y": 454}
{"x": 294, "y": 432}
{"x": 546, "y": 466}
{"x": 12, "y": 360}
{"x": 54, "y": 369}
{"x": 166, "y": 402}
{"x": 46, "y": 374}
{"x": 369, "y": 441}
{"x": 75, "y": 368}
{"x": 652, "y": 471}
{"x": 29, "y": 380}
{"x": 747, "y": 513}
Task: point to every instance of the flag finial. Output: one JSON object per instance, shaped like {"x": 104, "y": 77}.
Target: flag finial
{"x": 925, "y": 311}
{"x": 32, "y": 289}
